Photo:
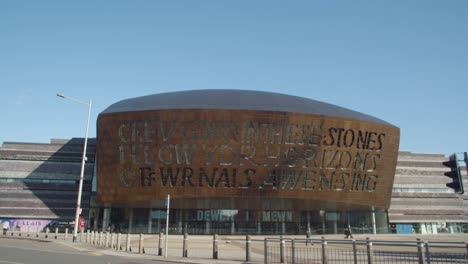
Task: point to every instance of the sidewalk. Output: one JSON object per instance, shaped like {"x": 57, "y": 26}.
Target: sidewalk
{"x": 200, "y": 249}
{"x": 231, "y": 248}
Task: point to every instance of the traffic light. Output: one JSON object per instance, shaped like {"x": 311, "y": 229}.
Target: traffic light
{"x": 454, "y": 174}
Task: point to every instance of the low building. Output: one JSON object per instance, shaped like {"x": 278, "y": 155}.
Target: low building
{"x": 421, "y": 201}
{"x": 39, "y": 182}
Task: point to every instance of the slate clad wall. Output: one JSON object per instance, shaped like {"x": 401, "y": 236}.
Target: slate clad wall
{"x": 40, "y": 180}
{"x": 420, "y": 194}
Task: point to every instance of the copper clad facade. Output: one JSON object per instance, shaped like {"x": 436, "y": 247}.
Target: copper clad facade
{"x": 244, "y": 159}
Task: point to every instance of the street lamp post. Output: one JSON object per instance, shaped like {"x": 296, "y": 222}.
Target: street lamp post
{"x": 83, "y": 160}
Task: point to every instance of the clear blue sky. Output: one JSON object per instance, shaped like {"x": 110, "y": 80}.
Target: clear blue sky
{"x": 405, "y": 62}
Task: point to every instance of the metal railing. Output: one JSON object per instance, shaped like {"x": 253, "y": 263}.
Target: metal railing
{"x": 271, "y": 250}
{"x": 324, "y": 251}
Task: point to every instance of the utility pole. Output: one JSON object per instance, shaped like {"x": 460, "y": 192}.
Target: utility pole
{"x": 168, "y": 202}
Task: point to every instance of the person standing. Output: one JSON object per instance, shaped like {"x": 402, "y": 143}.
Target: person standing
{"x": 6, "y": 226}
{"x": 308, "y": 236}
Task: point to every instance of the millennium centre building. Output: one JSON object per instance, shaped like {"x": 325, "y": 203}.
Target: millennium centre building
{"x": 235, "y": 161}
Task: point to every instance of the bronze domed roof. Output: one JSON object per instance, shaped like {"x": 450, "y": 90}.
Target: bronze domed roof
{"x": 238, "y": 100}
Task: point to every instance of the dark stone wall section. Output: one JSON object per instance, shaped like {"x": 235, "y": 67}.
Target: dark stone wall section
{"x": 40, "y": 180}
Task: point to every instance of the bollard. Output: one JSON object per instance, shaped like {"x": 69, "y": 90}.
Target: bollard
{"x": 47, "y": 233}
{"x": 248, "y": 247}
{"x": 87, "y": 236}
{"x": 370, "y": 253}
{"x": 37, "y": 231}
{"x": 428, "y": 254}
{"x": 215, "y": 246}
{"x": 27, "y": 232}
{"x": 65, "y": 236}
{"x": 93, "y": 237}
{"x": 56, "y": 233}
{"x": 184, "y": 246}
{"x": 101, "y": 234}
{"x": 81, "y": 235}
{"x": 117, "y": 247}
{"x": 112, "y": 240}
{"x": 420, "y": 251}
{"x": 140, "y": 245}
{"x": 160, "y": 244}
{"x": 282, "y": 249}
{"x": 293, "y": 251}
{"x": 324, "y": 251}
{"x": 106, "y": 240}
{"x": 128, "y": 248}
{"x": 355, "y": 252}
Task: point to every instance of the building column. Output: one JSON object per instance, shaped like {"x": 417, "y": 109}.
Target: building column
{"x": 130, "y": 220}
{"x": 106, "y": 218}
{"x": 179, "y": 221}
{"x": 150, "y": 220}
{"x": 96, "y": 220}
{"x": 233, "y": 227}
{"x": 374, "y": 228}
{"x": 258, "y": 219}
{"x": 185, "y": 218}
{"x": 207, "y": 226}
{"x": 324, "y": 226}
{"x": 159, "y": 223}
{"x": 381, "y": 221}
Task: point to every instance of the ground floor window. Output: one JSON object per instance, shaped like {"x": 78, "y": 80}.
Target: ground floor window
{"x": 229, "y": 221}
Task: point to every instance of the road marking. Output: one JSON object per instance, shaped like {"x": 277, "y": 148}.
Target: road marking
{"x": 72, "y": 246}
{"x": 79, "y": 249}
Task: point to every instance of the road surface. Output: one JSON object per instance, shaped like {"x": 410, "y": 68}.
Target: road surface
{"x": 23, "y": 251}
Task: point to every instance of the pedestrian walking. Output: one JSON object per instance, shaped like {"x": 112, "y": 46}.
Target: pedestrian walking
{"x": 347, "y": 233}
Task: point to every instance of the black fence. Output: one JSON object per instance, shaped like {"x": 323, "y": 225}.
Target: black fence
{"x": 367, "y": 251}
{"x": 271, "y": 250}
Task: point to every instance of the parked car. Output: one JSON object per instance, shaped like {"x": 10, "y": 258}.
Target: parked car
{"x": 60, "y": 225}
